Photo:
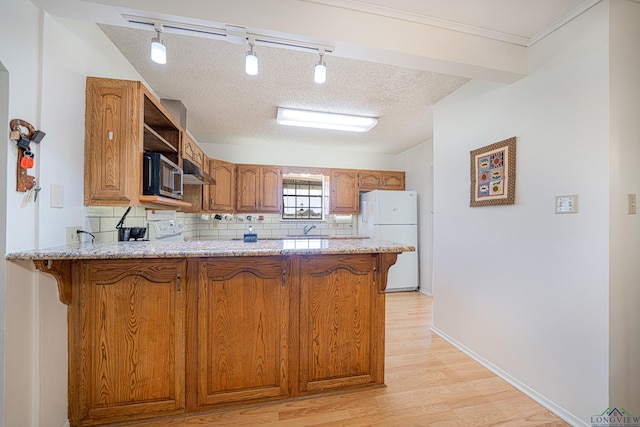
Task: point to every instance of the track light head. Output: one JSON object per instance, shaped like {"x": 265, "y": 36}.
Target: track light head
{"x": 320, "y": 71}
{"x": 251, "y": 62}
{"x": 158, "y": 49}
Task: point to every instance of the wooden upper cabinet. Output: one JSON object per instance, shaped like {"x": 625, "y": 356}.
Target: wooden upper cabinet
{"x": 113, "y": 149}
{"x": 270, "y": 189}
{"x": 222, "y": 195}
{"x": 380, "y": 180}
{"x": 122, "y": 120}
{"x": 259, "y": 189}
{"x": 192, "y": 151}
{"x": 393, "y": 180}
{"x": 344, "y": 197}
{"x": 247, "y": 188}
{"x": 369, "y": 180}
{"x": 129, "y": 322}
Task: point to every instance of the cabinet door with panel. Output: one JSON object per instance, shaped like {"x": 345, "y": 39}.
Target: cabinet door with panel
{"x": 259, "y": 189}
{"x": 341, "y": 338}
{"x": 369, "y": 180}
{"x": 113, "y": 150}
{"x": 192, "y": 151}
{"x": 344, "y": 197}
{"x": 247, "y": 188}
{"x": 270, "y": 189}
{"x": 129, "y": 358}
{"x": 393, "y": 180}
{"x": 221, "y": 197}
{"x": 243, "y": 330}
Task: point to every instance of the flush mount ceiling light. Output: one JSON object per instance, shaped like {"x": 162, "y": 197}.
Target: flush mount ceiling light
{"x": 321, "y": 120}
{"x": 158, "y": 49}
{"x": 320, "y": 71}
{"x": 251, "y": 61}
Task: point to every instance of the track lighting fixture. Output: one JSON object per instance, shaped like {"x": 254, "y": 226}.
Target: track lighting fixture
{"x": 158, "y": 49}
{"x": 251, "y": 61}
{"x": 320, "y": 71}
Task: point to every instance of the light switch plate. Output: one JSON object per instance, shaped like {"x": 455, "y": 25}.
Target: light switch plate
{"x": 57, "y": 196}
{"x": 631, "y": 208}
{"x": 567, "y": 204}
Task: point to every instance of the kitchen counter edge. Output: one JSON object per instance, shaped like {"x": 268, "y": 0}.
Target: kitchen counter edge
{"x": 210, "y": 248}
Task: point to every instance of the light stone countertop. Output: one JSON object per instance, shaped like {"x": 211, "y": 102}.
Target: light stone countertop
{"x": 210, "y": 248}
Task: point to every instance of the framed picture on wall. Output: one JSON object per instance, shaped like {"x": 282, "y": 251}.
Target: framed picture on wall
{"x": 493, "y": 174}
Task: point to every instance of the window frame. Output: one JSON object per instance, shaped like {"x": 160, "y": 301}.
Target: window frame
{"x": 312, "y": 184}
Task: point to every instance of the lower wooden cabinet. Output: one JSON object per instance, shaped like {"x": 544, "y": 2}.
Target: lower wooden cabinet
{"x": 162, "y": 337}
{"x": 243, "y": 330}
{"x": 126, "y": 345}
{"x": 341, "y": 344}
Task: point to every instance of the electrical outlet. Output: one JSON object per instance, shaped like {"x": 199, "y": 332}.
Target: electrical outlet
{"x": 631, "y": 208}
{"x": 73, "y": 237}
{"x": 567, "y": 204}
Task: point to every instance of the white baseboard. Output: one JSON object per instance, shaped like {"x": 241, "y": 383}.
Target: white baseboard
{"x": 550, "y": 405}
{"x": 423, "y": 291}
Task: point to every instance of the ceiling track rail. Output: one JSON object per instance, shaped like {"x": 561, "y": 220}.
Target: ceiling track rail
{"x": 232, "y": 34}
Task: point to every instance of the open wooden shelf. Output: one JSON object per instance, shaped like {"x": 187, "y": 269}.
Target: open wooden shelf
{"x": 166, "y": 201}
{"x": 153, "y": 141}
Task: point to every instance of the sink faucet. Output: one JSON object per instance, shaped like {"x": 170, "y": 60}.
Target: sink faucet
{"x": 308, "y": 228}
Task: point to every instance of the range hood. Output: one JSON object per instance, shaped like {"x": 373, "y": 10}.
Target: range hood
{"x": 193, "y": 175}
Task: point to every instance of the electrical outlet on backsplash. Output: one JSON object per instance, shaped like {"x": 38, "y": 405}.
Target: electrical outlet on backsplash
{"x": 220, "y": 226}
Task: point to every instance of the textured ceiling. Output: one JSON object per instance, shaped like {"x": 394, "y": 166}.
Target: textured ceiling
{"x": 225, "y": 105}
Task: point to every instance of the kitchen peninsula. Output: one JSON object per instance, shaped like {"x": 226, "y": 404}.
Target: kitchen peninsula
{"x": 163, "y": 329}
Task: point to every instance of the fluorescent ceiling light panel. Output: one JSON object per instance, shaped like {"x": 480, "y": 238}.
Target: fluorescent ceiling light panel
{"x": 320, "y": 120}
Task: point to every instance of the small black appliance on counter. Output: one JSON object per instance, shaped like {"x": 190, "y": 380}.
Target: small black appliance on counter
{"x": 128, "y": 233}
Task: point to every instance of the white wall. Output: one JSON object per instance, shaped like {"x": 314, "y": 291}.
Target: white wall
{"x": 624, "y": 292}
{"x": 47, "y": 61}
{"x": 72, "y": 50}
{"x": 19, "y": 23}
{"x": 22, "y": 19}
{"x": 312, "y": 157}
{"x": 417, "y": 162}
{"x": 524, "y": 290}
{"x": 4, "y": 123}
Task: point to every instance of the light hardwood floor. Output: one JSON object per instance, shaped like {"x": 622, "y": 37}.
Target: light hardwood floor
{"x": 429, "y": 383}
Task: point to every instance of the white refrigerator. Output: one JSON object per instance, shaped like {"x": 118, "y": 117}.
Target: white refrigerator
{"x": 393, "y": 216}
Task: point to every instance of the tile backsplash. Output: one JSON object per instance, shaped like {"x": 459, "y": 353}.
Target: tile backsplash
{"x": 102, "y": 221}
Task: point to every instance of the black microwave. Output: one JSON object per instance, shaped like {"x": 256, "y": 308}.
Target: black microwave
{"x": 161, "y": 177}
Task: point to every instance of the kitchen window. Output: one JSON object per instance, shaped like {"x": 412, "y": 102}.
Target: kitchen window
{"x": 303, "y": 198}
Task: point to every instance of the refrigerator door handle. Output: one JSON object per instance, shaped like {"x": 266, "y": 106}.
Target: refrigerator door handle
{"x": 363, "y": 210}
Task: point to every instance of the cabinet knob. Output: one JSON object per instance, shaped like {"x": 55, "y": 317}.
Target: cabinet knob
{"x": 110, "y": 135}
